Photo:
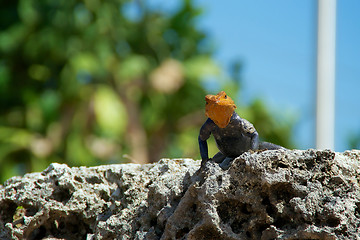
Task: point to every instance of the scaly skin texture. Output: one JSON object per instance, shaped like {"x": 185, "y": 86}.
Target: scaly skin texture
{"x": 233, "y": 134}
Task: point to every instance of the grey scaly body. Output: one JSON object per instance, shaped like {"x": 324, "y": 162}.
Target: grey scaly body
{"x": 237, "y": 137}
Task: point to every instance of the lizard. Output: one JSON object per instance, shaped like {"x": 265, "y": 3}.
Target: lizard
{"x": 233, "y": 135}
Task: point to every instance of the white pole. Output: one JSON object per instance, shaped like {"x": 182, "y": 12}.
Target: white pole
{"x": 325, "y": 104}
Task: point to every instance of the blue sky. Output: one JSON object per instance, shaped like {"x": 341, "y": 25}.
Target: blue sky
{"x": 276, "y": 41}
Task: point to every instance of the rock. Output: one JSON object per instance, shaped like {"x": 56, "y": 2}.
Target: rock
{"x": 280, "y": 194}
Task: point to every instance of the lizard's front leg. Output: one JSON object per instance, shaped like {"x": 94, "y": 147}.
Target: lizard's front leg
{"x": 203, "y": 151}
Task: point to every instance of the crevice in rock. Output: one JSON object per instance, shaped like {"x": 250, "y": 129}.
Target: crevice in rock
{"x": 61, "y": 194}
{"x": 38, "y": 233}
{"x": 94, "y": 180}
{"x": 7, "y": 210}
{"x": 234, "y": 213}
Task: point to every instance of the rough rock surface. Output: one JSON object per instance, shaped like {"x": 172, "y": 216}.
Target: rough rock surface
{"x": 281, "y": 194}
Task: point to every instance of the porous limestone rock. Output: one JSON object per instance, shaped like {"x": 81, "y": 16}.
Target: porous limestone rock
{"x": 280, "y": 194}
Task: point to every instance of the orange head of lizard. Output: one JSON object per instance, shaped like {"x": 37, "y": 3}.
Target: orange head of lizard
{"x": 219, "y": 108}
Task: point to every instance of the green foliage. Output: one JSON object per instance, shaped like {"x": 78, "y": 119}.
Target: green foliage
{"x": 82, "y": 82}
{"x": 354, "y": 140}
{"x": 272, "y": 127}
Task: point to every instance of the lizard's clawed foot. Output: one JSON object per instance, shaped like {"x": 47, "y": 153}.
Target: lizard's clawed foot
{"x": 226, "y": 163}
{"x": 219, "y": 157}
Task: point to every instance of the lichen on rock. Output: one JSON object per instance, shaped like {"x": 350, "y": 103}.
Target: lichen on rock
{"x": 280, "y": 194}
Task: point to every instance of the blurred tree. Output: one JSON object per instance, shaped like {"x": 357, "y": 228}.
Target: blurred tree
{"x": 84, "y": 82}
{"x": 354, "y": 140}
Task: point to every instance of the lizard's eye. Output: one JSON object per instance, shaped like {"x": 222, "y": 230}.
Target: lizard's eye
{"x": 225, "y": 96}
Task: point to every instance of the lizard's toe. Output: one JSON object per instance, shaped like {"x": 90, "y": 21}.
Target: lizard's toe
{"x": 226, "y": 163}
